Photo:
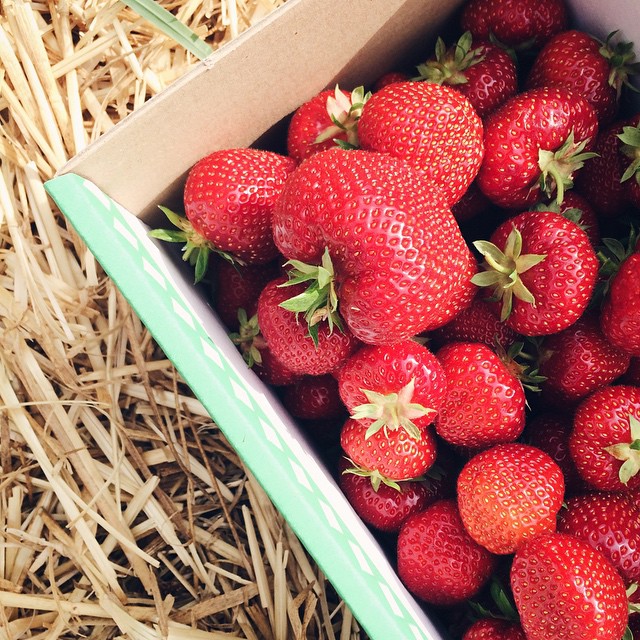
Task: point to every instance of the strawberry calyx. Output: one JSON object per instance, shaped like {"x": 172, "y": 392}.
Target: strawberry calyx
{"x": 197, "y": 249}
{"x": 248, "y": 338}
{"x": 557, "y": 167}
{"x": 521, "y": 364}
{"x": 621, "y": 58}
{"x": 319, "y": 301}
{"x": 506, "y": 609}
{"x": 392, "y": 411}
{"x": 611, "y": 255}
{"x": 573, "y": 214}
{"x": 344, "y": 111}
{"x": 502, "y": 271}
{"x": 375, "y": 476}
{"x": 628, "y": 452}
{"x": 630, "y": 138}
{"x": 449, "y": 65}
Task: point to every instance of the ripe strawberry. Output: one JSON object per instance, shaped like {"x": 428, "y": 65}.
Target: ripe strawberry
{"x": 289, "y": 340}
{"x": 577, "y": 361}
{"x": 314, "y": 398}
{"x": 229, "y": 197}
{"x": 390, "y": 78}
{"x": 542, "y": 268}
{"x": 385, "y": 508}
{"x": 485, "y": 403}
{"x": 328, "y": 117}
{"x": 432, "y": 127}
{"x": 471, "y": 206}
{"x": 508, "y": 494}
{"x": 394, "y": 262}
{"x": 579, "y": 62}
{"x": 515, "y": 23}
{"x": 494, "y": 629}
{"x": 388, "y": 456}
{"x": 437, "y": 560}
{"x": 605, "y": 436}
{"x": 534, "y": 143}
{"x": 610, "y": 523}
{"x": 481, "y": 71}
{"x": 563, "y": 588}
{"x": 401, "y": 386}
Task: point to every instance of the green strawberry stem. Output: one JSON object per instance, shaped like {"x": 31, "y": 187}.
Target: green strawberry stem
{"x": 319, "y": 301}
{"x": 449, "y": 64}
{"x": 557, "y": 167}
{"x": 611, "y": 254}
{"x": 630, "y": 138}
{"x": 376, "y": 477}
{"x": 500, "y": 597}
{"x": 248, "y": 338}
{"x": 344, "y": 113}
{"x": 196, "y": 249}
{"x": 621, "y": 58}
{"x": 521, "y": 364}
{"x": 628, "y": 452}
{"x": 392, "y": 411}
{"x": 502, "y": 270}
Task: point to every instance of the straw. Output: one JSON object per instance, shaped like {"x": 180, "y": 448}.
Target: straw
{"x": 124, "y": 512}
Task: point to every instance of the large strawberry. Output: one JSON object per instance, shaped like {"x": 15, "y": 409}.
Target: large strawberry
{"x": 485, "y": 403}
{"x": 437, "y": 560}
{"x": 432, "y": 127}
{"x": 401, "y": 386}
{"x": 229, "y": 197}
{"x": 578, "y": 61}
{"x": 534, "y": 144}
{"x": 605, "y": 440}
{"x": 388, "y": 257}
{"x": 480, "y": 70}
{"x": 542, "y": 269}
{"x": 516, "y": 23}
{"x": 509, "y": 493}
{"x": 563, "y": 588}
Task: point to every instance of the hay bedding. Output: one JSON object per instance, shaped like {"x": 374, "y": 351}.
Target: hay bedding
{"x": 123, "y": 511}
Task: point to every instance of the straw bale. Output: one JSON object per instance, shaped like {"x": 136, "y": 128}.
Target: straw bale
{"x": 124, "y": 513}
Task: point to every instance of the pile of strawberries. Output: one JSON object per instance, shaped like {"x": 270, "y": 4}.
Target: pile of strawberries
{"x": 441, "y": 279}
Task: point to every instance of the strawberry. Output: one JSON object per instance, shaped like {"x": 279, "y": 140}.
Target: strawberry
{"x": 471, "y": 205}
{"x": 581, "y": 63}
{"x": 437, "y": 560}
{"x": 481, "y": 71}
{"x": 632, "y": 375}
{"x": 387, "y": 456}
{"x": 516, "y": 23}
{"x": 289, "y": 340}
{"x": 390, "y": 78}
{"x": 605, "y": 437}
{"x": 388, "y": 257}
{"x": 314, "y": 398}
{"x": 508, "y": 494}
{"x": 534, "y": 144}
{"x": 329, "y": 117}
{"x": 577, "y": 361}
{"x": 563, "y": 588}
{"x": 494, "y": 629}
{"x": 432, "y": 127}
{"x": 485, "y": 403}
{"x": 541, "y": 268}
{"x": 398, "y": 386}
{"x": 229, "y": 198}
{"x": 385, "y": 508}
{"x": 610, "y": 523}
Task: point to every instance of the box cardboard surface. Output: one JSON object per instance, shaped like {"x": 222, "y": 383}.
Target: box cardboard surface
{"x": 110, "y": 194}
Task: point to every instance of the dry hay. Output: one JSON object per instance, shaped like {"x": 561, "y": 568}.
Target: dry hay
{"x": 123, "y": 511}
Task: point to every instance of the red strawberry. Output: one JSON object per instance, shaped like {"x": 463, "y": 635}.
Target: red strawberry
{"x": 289, "y": 340}
{"x": 485, "y": 403}
{"x": 610, "y": 523}
{"x": 388, "y": 455}
{"x": 605, "y": 438}
{"x": 579, "y": 62}
{"x": 328, "y": 117}
{"x": 229, "y": 198}
{"x": 390, "y": 78}
{"x": 508, "y": 494}
{"x": 432, "y": 127}
{"x": 472, "y": 204}
{"x": 534, "y": 144}
{"x": 394, "y": 262}
{"x": 398, "y": 386}
{"x": 437, "y": 560}
{"x": 577, "y": 361}
{"x": 563, "y": 588}
{"x": 314, "y": 398}
{"x": 385, "y": 508}
{"x": 542, "y": 268}
{"x": 517, "y": 23}
{"x": 481, "y": 71}
{"x": 494, "y": 629}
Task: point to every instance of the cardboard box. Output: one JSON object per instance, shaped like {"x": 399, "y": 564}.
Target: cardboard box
{"x": 110, "y": 194}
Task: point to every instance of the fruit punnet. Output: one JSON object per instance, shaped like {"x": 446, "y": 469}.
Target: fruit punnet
{"x": 394, "y": 262}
